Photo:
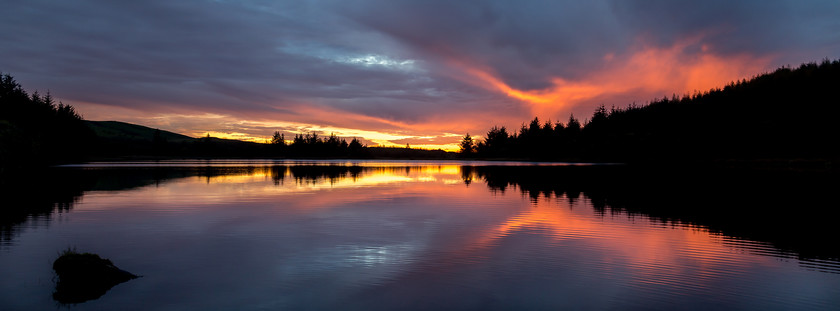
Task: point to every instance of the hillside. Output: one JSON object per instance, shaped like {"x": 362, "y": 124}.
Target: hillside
{"x": 115, "y": 130}
{"x": 407, "y": 153}
{"x": 120, "y": 140}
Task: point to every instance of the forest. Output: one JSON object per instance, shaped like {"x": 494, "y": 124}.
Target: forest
{"x": 36, "y": 129}
{"x": 788, "y": 114}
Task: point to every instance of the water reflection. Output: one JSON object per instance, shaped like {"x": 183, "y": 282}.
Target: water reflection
{"x": 34, "y": 198}
{"x": 438, "y": 235}
{"x": 785, "y": 210}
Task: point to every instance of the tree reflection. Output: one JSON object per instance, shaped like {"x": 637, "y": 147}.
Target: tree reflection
{"x": 33, "y": 198}
{"x": 791, "y": 210}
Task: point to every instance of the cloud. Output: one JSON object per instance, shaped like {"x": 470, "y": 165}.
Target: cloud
{"x": 422, "y": 69}
{"x": 684, "y": 68}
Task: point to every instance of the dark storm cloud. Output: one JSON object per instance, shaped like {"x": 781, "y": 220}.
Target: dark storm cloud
{"x": 395, "y": 60}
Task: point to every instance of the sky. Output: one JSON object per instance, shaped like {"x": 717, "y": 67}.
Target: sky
{"x": 392, "y": 72}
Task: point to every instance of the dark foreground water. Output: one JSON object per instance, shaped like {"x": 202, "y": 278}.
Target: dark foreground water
{"x": 262, "y": 235}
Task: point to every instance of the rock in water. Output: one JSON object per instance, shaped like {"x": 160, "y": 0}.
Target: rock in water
{"x": 85, "y": 276}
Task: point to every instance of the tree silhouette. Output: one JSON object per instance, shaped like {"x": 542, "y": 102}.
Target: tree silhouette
{"x": 278, "y": 139}
{"x": 355, "y": 145}
{"x": 573, "y": 127}
{"x": 495, "y": 142}
{"x": 467, "y": 145}
{"x": 34, "y": 129}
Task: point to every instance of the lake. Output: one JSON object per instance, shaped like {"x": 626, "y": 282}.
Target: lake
{"x": 421, "y": 235}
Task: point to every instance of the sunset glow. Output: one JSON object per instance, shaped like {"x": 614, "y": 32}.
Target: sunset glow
{"x": 411, "y": 73}
{"x": 653, "y": 71}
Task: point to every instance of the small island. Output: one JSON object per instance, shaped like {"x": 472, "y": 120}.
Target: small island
{"x": 85, "y": 276}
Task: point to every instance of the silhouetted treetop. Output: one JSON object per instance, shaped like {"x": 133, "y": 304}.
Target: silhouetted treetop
{"x": 467, "y": 145}
{"x": 34, "y": 129}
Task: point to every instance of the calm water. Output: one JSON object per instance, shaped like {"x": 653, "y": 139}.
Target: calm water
{"x": 339, "y": 235}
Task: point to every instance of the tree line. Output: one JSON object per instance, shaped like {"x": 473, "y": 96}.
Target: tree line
{"x": 789, "y": 113}
{"x": 36, "y": 129}
{"x": 314, "y": 145}
{"x": 537, "y": 140}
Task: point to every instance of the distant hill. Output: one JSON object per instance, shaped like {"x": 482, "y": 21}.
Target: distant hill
{"x": 407, "y": 153}
{"x": 120, "y": 140}
{"x": 116, "y": 130}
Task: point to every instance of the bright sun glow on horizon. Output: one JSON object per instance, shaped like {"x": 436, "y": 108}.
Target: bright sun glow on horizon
{"x": 378, "y": 139}
{"x": 377, "y": 142}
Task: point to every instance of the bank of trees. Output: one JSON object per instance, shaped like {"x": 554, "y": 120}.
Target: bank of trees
{"x": 34, "y": 129}
{"x": 536, "y": 140}
{"x": 314, "y": 145}
{"x": 786, "y": 114}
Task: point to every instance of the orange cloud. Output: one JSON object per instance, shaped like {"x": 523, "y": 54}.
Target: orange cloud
{"x": 685, "y": 67}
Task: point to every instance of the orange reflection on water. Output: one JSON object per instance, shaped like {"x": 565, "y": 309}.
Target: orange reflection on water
{"x": 656, "y": 253}
{"x": 650, "y": 248}
{"x": 308, "y": 185}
